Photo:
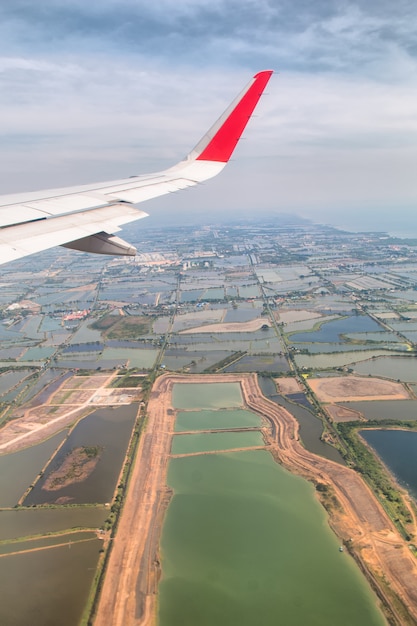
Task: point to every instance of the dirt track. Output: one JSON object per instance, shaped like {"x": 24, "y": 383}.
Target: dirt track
{"x": 128, "y": 595}
{"x": 74, "y": 398}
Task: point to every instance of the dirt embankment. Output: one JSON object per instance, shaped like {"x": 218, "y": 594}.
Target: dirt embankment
{"x": 129, "y": 591}
{"x": 288, "y": 385}
{"x": 355, "y": 513}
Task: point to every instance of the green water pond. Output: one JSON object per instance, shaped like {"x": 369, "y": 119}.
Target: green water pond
{"x": 245, "y": 542}
{"x": 204, "y": 420}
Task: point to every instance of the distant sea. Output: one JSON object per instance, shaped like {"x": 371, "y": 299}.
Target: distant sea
{"x": 395, "y": 223}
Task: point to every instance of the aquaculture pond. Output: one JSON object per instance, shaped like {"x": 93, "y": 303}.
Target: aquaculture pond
{"x": 135, "y": 358}
{"x": 398, "y": 450}
{"x": 321, "y": 348}
{"x": 321, "y": 361}
{"x": 213, "y": 293}
{"x": 264, "y": 363}
{"x": 332, "y": 331}
{"x": 206, "y": 420}
{"x": 249, "y": 291}
{"x": 245, "y": 542}
{"x": 85, "y": 334}
{"x": 405, "y": 410}
{"x": 103, "y": 434}
{"x": 12, "y": 378}
{"x": 241, "y": 315}
{"x": 398, "y": 368}
{"x": 37, "y": 354}
{"x": 254, "y": 346}
{"x": 15, "y": 523}
{"x": 192, "y": 295}
{"x": 208, "y": 442}
{"x": 206, "y": 395}
{"x": 311, "y": 428}
{"x": 58, "y": 595}
{"x": 19, "y": 469}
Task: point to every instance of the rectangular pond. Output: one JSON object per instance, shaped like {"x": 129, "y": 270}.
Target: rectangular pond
{"x": 87, "y": 466}
{"x": 398, "y": 450}
{"x": 15, "y": 523}
{"x": 19, "y": 469}
{"x": 398, "y": 368}
{"x": 206, "y": 395}
{"x": 205, "y": 420}
{"x": 321, "y": 361}
{"x": 404, "y": 410}
{"x": 58, "y": 595}
{"x": 208, "y": 442}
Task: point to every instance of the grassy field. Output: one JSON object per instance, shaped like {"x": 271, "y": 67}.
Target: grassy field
{"x": 130, "y": 327}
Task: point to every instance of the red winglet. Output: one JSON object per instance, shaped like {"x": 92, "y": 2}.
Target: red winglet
{"x": 222, "y": 144}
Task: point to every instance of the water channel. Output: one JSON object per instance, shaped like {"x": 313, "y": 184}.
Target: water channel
{"x": 311, "y": 427}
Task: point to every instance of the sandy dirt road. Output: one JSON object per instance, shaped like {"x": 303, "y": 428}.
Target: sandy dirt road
{"x": 128, "y": 596}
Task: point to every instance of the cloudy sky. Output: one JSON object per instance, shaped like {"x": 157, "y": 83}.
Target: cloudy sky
{"x": 110, "y": 88}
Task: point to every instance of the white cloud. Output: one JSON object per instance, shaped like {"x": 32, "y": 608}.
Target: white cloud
{"x": 128, "y": 86}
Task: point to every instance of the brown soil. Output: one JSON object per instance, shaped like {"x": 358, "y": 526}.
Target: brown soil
{"x": 288, "y": 385}
{"x": 75, "y": 398}
{"x": 345, "y": 388}
{"x": 342, "y": 414}
{"x": 128, "y": 594}
{"x": 76, "y": 467}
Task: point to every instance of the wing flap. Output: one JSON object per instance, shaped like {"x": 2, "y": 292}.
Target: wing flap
{"x": 102, "y": 243}
{"x": 32, "y": 237}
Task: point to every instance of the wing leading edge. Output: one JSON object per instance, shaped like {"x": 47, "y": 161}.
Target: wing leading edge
{"x": 86, "y": 218}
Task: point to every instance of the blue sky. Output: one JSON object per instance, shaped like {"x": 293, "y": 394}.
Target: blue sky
{"x": 118, "y": 87}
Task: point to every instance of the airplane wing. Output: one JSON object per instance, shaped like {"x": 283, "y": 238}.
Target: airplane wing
{"x": 86, "y": 218}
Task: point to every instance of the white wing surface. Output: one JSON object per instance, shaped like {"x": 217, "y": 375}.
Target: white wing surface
{"x": 86, "y": 218}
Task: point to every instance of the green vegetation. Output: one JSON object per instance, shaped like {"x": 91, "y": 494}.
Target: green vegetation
{"x": 105, "y": 322}
{"x": 124, "y": 328}
{"x": 327, "y": 497}
{"x": 74, "y": 467}
{"x": 367, "y": 464}
{"x": 129, "y": 379}
{"x": 91, "y": 451}
{"x": 130, "y": 327}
